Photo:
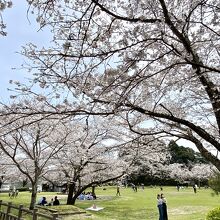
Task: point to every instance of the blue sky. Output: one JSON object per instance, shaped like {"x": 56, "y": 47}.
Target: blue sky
{"x": 20, "y": 31}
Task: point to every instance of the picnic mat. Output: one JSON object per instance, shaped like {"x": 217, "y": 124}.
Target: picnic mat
{"x": 94, "y": 208}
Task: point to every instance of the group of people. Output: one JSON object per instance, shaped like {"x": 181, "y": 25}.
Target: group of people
{"x": 87, "y": 196}
{"x": 162, "y": 207}
{"x": 13, "y": 193}
{"x": 43, "y": 201}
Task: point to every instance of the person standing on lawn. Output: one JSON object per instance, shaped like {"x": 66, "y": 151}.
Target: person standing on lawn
{"x": 118, "y": 191}
{"x": 160, "y": 206}
{"x": 164, "y": 207}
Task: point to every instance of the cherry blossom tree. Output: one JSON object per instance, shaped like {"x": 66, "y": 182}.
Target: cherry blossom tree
{"x": 155, "y": 160}
{"x": 202, "y": 172}
{"x": 154, "y": 64}
{"x": 147, "y": 155}
{"x": 85, "y": 160}
{"x": 31, "y": 148}
{"x": 196, "y": 172}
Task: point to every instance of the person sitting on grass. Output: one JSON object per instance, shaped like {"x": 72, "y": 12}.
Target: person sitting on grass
{"x": 89, "y": 196}
{"x": 43, "y": 201}
{"x": 56, "y": 201}
{"x": 82, "y": 196}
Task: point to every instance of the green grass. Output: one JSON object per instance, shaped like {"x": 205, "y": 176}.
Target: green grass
{"x": 182, "y": 205}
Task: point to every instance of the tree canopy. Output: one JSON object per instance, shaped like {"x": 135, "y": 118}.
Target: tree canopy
{"x": 154, "y": 62}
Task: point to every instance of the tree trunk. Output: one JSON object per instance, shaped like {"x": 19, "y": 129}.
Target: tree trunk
{"x": 79, "y": 181}
{"x": 70, "y": 193}
{"x": 33, "y": 196}
{"x": 73, "y": 201}
{"x": 93, "y": 191}
{"x": 77, "y": 193}
{"x": 80, "y": 190}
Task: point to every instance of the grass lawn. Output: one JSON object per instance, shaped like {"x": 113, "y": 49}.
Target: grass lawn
{"x": 182, "y": 205}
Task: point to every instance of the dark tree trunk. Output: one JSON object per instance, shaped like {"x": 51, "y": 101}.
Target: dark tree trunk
{"x": 72, "y": 199}
{"x": 70, "y": 193}
{"x": 33, "y": 196}
{"x": 75, "y": 197}
{"x": 93, "y": 191}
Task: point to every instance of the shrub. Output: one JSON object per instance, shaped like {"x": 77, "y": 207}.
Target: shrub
{"x": 214, "y": 214}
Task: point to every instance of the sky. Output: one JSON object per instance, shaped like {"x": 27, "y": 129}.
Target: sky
{"x": 21, "y": 29}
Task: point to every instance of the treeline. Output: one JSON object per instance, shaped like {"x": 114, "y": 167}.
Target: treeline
{"x": 180, "y": 160}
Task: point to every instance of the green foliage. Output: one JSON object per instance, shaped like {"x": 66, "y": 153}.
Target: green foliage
{"x": 184, "y": 155}
{"x": 214, "y": 214}
{"x": 199, "y": 158}
{"x": 214, "y": 182}
{"x": 180, "y": 154}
